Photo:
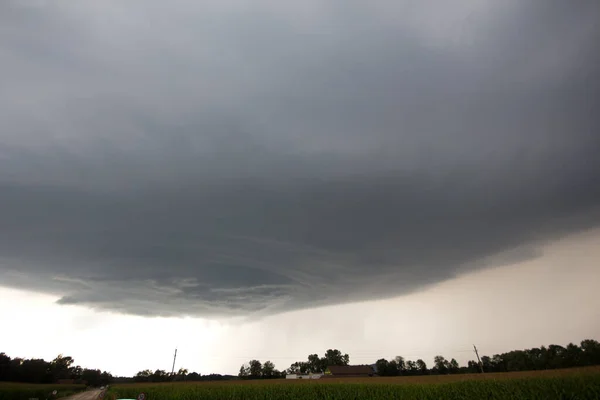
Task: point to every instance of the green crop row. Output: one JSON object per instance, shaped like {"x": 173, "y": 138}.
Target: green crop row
{"x": 570, "y": 387}
{"x": 25, "y": 391}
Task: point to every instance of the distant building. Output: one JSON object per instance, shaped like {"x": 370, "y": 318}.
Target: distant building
{"x": 349, "y": 371}
{"x": 303, "y": 376}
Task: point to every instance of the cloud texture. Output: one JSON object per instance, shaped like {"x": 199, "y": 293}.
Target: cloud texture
{"x": 234, "y": 158}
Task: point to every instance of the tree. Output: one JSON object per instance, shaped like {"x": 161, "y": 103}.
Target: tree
{"x": 268, "y": 370}
{"x": 35, "y": 371}
{"x": 76, "y": 373}
{"x": 159, "y": 375}
{"x": 590, "y": 352}
{"x": 105, "y": 378}
{"x": 193, "y": 376}
{"x": 316, "y": 364}
{"x": 498, "y": 363}
{"x": 255, "y": 369}
{"x": 556, "y": 356}
{"x": 181, "y": 375}
{"x": 335, "y": 357}
{"x": 93, "y": 377}
{"x": 16, "y": 374}
{"x": 299, "y": 367}
{"x": 572, "y": 355}
{"x": 61, "y": 367}
{"x": 486, "y": 362}
{"x": 411, "y": 368}
{"x": 4, "y": 367}
{"x": 293, "y": 369}
{"x": 422, "y": 367}
{"x": 537, "y": 358}
{"x": 440, "y": 365}
{"x": 454, "y": 367}
{"x": 244, "y": 371}
{"x": 473, "y": 367}
{"x": 381, "y": 366}
{"x": 392, "y": 368}
{"x": 401, "y": 364}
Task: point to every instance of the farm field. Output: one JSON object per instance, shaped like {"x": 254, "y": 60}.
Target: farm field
{"x": 26, "y": 391}
{"x": 581, "y": 383}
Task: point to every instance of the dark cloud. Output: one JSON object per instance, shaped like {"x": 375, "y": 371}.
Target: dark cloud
{"x": 212, "y": 159}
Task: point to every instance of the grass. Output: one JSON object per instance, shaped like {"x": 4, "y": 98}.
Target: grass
{"x": 26, "y": 391}
{"x": 577, "y": 384}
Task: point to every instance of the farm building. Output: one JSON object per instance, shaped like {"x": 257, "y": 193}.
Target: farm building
{"x": 349, "y": 371}
{"x": 303, "y": 376}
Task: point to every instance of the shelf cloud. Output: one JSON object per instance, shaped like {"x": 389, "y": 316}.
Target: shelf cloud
{"x": 249, "y": 158}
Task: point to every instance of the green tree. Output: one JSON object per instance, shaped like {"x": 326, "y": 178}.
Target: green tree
{"x": 440, "y": 365}
{"x": 35, "y": 371}
{"x": 5, "y": 369}
{"x": 16, "y": 374}
{"x": 382, "y": 366}
{"x": 159, "y": 375}
{"x": 244, "y": 371}
{"x": 454, "y": 367}
{"x": 268, "y": 370}
{"x": 105, "y": 378}
{"x": 316, "y": 364}
{"x": 61, "y": 367}
{"x": 255, "y": 369}
{"x": 473, "y": 367}
{"x": 590, "y": 352}
{"x": 93, "y": 377}
{"x": 498, "y": 363}
{"x": 572, "y": 356}
{"x": 556, "y": 356}
{"x": 181, "y": 375}
{"x": 401, "y": 364}
{"x": 393, "y": 368}
{"x": 421, "y": 367}
{"x": 411, "y": 368}
{"x": 76, "y": 373}
{"x": 293, "y": 369}
{"x": 335, "y": 357}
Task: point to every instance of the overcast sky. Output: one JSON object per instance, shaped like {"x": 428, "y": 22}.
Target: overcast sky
{"x": 231, "y": 167}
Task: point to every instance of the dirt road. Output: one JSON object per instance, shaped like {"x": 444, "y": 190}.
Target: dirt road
{"x": 85, "y": 395}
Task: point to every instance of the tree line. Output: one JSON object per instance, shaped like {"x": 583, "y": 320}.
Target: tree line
{"x": 37, "y": 370}
{"x": 63, "y": 369}
{"x": 551, "y": 357}
{"x": 254, "y": 369}
{"x": 183, "y": 374}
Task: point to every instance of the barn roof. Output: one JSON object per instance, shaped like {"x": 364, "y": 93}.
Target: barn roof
{"x": 350, "y": 369}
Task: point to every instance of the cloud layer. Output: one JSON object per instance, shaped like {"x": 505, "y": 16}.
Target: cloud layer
{"x": 249, "y": 157}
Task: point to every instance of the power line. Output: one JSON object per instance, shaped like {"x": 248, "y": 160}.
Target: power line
{"x": 353, "y": 355}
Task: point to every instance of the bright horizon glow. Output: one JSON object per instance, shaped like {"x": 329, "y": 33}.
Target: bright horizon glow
{"x": 552, "y": 299}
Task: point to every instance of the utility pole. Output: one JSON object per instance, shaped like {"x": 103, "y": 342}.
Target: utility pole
{"x": 478, "y": 359}
{"x": 174, "y": 357}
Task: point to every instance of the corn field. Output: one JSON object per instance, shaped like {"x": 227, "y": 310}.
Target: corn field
{"x": 575, "y": 387}
{"x": 26, "y": 391}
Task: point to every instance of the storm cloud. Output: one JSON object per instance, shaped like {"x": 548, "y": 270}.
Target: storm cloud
{"x": 235, "y": 158}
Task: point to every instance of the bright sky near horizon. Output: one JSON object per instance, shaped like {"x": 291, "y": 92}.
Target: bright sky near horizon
{"x": 554, "y": 300}
{"x": 265, "y": 179}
